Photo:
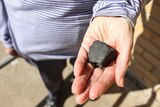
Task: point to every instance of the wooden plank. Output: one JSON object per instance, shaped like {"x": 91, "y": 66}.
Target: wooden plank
{"x": 140, "y": 77}
{"x": 139, "y": 49}
{"x": 140, "y": 59}
{"x": 155, "y": 11}
{"x": 146, "y": 73}
{"x": 149, "y": 46}
{"x": 154, "y": 25}
{"x": 157, "y": 2}
{"x": 152, "y": 59}
{"x": 156, "y": 40}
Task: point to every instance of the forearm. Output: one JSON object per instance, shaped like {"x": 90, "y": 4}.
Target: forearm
{"x": 129, "y": 9}
{"x": 4, "y": 32}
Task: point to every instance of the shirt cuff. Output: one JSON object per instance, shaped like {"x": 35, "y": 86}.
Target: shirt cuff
{"x": 121, "y": 8}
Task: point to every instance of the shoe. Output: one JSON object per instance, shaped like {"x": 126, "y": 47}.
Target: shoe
{"x": 51, "y": 102}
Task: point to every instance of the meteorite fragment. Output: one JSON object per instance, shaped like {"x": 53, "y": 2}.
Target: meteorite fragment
{"x": 101, "y": 54}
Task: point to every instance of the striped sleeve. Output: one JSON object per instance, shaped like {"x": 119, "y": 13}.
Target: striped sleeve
{"x": 4, "y": 32}
{"x": 129, "y": 9}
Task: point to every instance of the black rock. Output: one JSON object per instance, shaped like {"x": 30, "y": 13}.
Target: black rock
{"x": 101, "y": 54}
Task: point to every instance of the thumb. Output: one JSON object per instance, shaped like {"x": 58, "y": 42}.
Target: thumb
{"x": 80, "y": 61}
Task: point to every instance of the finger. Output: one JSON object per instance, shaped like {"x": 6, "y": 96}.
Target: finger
{"x": 82, "y": 57}
{"x": 95, "y": 75}
{"x": 124, "y": 47}
{"x": 80, "y": 81}
{"x": 84, "y": 96}
{"x": 122, "y": 65}
{"x": 87, "y": 42}
{"x": 103, "y": 83}
{"x": 80, "y": 62}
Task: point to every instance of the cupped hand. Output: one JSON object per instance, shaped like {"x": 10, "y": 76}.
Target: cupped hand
{"x": 90, "y": 82}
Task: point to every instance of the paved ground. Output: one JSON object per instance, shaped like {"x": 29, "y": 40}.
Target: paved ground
{"x": 21, "y": 86}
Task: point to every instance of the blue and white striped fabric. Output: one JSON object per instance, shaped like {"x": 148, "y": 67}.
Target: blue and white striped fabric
{"x": 54, "y": 29}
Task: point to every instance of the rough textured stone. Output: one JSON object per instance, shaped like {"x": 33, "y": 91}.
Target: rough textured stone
{"x": 101, "y": 54}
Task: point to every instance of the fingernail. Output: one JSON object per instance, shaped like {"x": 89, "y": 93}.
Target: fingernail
{"x": 78, "y": 101}
{"x": 94, "y": 96}
{"x": 121, "y": 83}
{"x": 73, "y": 89}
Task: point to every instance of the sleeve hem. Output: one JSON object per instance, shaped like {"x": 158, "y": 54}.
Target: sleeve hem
{"x": 121, "y": 12}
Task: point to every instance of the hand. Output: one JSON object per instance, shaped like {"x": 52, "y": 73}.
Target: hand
{"x": 90, "y": 82}
{"x": 11, "y": 51}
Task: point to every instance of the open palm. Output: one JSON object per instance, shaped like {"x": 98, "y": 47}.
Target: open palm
{"x": 90, "y": 82}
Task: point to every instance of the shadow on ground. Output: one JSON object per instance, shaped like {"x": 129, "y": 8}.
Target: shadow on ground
{"x": 130, "y": 87}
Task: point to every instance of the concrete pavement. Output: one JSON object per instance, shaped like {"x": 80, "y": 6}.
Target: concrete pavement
{"x": 21, "y": 86}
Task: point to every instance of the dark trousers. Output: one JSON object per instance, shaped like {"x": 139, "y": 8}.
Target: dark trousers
{"x": 51, "y": 73}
